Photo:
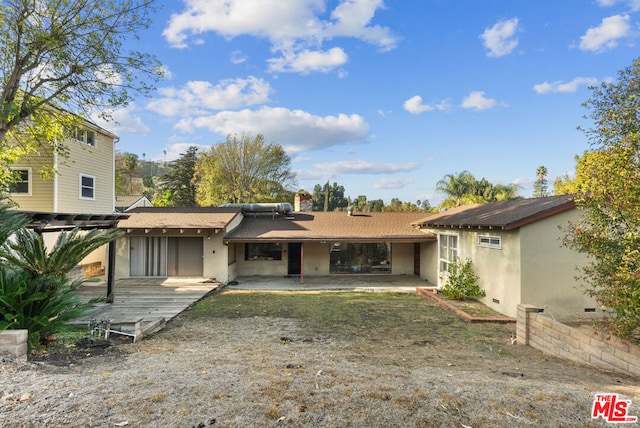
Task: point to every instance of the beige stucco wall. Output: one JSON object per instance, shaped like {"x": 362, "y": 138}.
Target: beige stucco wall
{"x": 429, "y": 262}
{"x": 549, "y": 270}
{"x": 498, "y": 270}
{"x": 122, "y": 258}
{"x": 402, "y": 258}
{"x": 316, "y": 258}
{"x": 215, "y": 257}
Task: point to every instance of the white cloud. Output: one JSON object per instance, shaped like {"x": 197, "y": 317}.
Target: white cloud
{"x": 200, "y": 97}
{"x": 414, "y": 105}
{"x": 562, "y": 87}
{"x": 306, "y": 61}
{"x": 477, "y": 101}
{"x": 607, "y": 34}
{"x": 294, "y": 28}
{"x": 294, "y": 130}
{"x": 237, "y": 57}
{"x": 391, "y": 183}
{"x": 634, "y": 5}
{"x": 365, "y": 167}
{"x": 124, "y": 121}
{"x": 500, "y": 39}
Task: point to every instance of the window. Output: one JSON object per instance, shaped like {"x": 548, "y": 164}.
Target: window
{"x": 352, "y": 257}
{"x": 263, "y": 251}
{"x": 85, "y": 136}
{"x": 22, "y": 183}
{"x": 448, "y": 250}
{"x": 490, "y": 241}
{"x": 87, "y": 187}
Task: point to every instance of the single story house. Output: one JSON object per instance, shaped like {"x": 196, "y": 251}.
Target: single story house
{"x": 517, "y": 252}
{"x": 515, "y": 247}
{"x": 266, "y": 239}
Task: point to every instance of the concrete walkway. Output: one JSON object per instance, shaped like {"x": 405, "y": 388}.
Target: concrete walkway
{"x": 366, "y": 283}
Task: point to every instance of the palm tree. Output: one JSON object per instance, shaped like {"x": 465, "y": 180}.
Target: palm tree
{"x": 130, "y": 163}
{"x": 460, "y": 189}
{"x": 540, "y": 185}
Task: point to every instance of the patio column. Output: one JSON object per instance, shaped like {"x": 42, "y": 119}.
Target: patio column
{"x": 302, "y": 263}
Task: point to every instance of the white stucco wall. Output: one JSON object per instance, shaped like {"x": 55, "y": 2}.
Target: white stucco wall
{"x": 549, "y": 270}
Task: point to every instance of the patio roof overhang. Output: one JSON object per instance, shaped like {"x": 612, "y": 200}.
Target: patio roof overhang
{"x": 325, "y": 239}
{"x": 57, "y": 222}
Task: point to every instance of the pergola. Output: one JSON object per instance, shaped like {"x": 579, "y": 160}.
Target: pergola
{"x": 46, "y": 222}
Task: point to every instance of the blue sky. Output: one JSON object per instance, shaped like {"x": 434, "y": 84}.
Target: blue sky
{"x": 383, "y": 97}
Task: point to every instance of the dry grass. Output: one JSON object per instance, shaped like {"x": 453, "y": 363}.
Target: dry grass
{"x": 312, "y": 360}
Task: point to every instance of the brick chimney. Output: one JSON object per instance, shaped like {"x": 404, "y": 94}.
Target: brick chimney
{"x": 302, "y": 201}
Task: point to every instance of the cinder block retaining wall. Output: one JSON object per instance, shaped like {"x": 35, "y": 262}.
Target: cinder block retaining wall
{"x": 14, "y": 343}
{"x": 583, "y": 345}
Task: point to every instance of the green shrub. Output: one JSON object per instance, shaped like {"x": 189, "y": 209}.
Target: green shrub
{"x": 462, "y": 281}
{"x": 41, "y": 304}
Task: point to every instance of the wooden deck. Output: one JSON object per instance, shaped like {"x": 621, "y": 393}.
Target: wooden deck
{"x": 156, "y": 301}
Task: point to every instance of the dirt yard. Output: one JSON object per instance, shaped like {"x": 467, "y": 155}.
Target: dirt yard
{"x": 309, "y": 360}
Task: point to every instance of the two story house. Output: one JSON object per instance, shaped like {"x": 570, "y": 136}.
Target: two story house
{"x": 83, "y": 181}
{"x": 75, "y": 190}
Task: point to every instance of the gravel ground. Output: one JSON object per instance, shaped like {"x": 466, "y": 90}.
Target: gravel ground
{"x": 267, "y": 372}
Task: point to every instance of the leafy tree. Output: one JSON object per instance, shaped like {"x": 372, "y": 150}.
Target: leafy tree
{"x": 244, "y": 169}
{"x": 608, "y": 193}
{"x": 71, "y": 55}
{"x": 540, "y": 185}
{"x": 329, "y": 197}
{"x": 177, "y": 185}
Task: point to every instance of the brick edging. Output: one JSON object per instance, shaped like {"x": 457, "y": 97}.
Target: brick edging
{"x": 462, "y": 314}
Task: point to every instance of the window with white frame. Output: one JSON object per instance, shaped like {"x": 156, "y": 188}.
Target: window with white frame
{"x": 490, "y": 241}
{"x": 87, "y": 187}
{"x": 22, "y": 184}
{"x": 448, "y": 250}
{"x": 85, "y": 136}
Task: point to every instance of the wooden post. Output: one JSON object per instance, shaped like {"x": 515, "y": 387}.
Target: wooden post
{"x": 111, "y": 269}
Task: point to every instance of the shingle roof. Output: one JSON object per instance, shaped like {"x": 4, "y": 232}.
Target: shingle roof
{"x": 507, "y": 215}
{"x": 179, "y": 218}
{"x": 330, "y": 226}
